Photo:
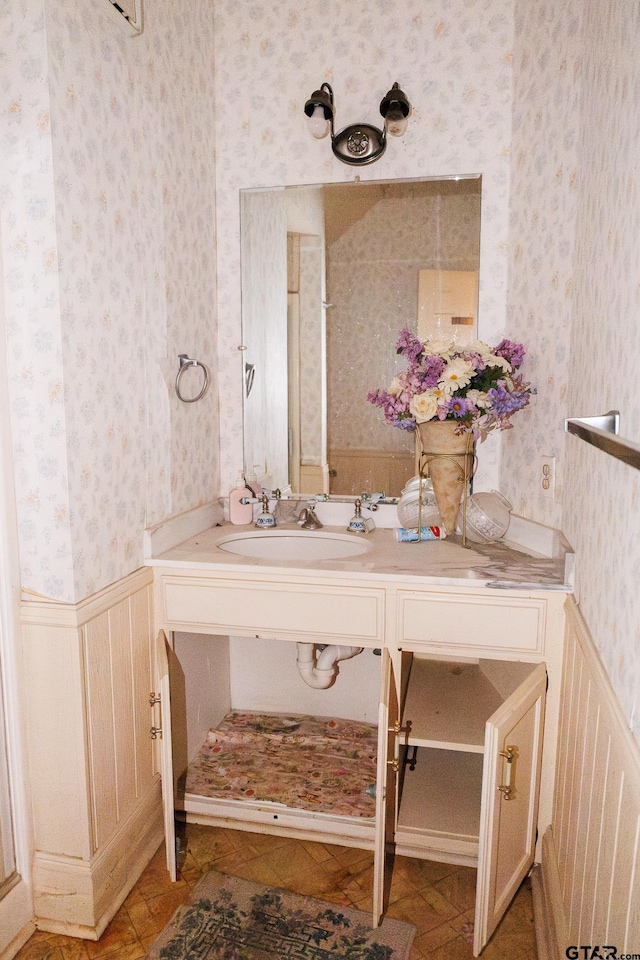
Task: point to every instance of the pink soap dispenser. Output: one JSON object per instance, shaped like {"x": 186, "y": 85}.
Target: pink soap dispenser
{"x": 239, "y": 512}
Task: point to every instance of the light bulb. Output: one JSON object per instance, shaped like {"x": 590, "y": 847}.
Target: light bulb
{"x": 396, "y": 123}
{"x": 317, "y": 123}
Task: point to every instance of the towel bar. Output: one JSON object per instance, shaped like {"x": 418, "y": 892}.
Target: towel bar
{"x": 602, "y": 432}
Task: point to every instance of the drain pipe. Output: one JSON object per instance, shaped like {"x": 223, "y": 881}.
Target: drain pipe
{"x": 321, "y": 673}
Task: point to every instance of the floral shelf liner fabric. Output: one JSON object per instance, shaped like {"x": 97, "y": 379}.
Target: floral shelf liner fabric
{"x": 312, "y": 763}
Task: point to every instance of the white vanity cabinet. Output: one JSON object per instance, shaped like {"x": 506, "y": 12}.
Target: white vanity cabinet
{"x": 469, "y": 666}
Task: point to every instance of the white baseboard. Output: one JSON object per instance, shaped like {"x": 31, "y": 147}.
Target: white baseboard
{"x": 79, "y": 898}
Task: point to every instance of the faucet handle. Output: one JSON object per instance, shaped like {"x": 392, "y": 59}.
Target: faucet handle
{"x": 358, "y": 523}
{"x": 265, "y": 520}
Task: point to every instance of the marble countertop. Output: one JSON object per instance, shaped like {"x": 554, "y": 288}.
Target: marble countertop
{"x": 500, "y": 565}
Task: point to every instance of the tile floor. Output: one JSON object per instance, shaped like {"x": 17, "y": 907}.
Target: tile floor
{"x": 438, "y": 898}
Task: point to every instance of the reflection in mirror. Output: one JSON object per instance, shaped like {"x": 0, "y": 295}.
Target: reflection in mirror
{"x": 330, "y": 275}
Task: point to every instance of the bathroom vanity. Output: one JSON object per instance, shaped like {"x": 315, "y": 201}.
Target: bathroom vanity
{"x": 470, "y": 646}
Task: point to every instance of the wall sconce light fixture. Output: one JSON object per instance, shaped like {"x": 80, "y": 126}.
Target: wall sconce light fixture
{"x": 360, "y": 142}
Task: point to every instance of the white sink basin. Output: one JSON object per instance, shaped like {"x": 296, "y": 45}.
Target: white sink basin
{"x": 294, "y": 545}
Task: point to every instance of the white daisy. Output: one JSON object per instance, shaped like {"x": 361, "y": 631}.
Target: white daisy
{"x": 456, "y": 374}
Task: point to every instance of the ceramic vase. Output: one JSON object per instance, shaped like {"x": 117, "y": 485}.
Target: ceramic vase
{"x": 447, "y": 457}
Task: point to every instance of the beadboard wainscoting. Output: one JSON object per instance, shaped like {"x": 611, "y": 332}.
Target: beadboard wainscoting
{"x": 587, "y": 889}
{"x": 95, "y": 790}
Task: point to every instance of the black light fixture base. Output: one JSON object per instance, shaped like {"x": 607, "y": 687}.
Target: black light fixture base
{"x": 359, "y": 143}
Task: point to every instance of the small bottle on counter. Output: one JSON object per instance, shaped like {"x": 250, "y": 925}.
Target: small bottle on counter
{"x": 408, "y": 535}
{"x": 254, "y": 484}
{"x": 240, "y": 513}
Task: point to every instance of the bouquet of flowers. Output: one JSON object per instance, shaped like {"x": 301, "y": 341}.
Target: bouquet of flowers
{"x": 476, "y": 385}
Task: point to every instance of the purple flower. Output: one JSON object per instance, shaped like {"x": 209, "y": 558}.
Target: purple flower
{"x": 409, "y": 345}
{"x": 406, "y": 423}
{"x": 505, "y": 402}
{"x": 513, "y": 353}
{"x": 431, "y": 368}
{"x": 395, "y": 409}
{"x": 460, "y": 406}
{"x": 477, "y": 361}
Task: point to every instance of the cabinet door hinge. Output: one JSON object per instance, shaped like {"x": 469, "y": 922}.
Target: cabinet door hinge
{"x": 397, "y": 728}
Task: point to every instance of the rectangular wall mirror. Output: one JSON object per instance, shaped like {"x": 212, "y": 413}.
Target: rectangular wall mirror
{"x": 330, "y": 275}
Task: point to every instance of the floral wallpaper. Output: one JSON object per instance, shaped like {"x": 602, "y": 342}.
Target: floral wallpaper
{"x": 452, "y": 59}
{"x": 32, "y": 304}
{"x": 602, "y": 495}
{"x": 547, "y": 72}
{"x": 575, "y": 222}
{"x": 108, "y": 233}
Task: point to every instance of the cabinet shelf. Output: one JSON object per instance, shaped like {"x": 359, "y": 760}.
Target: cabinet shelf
{"x": 441, "y": 797}
{"x": 448, "y": 705}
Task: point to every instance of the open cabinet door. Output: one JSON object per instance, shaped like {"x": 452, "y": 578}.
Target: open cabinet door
{"x": 386, "y": 789}
{"x": 163, "y": 732}
{"x": 509, "y": 810}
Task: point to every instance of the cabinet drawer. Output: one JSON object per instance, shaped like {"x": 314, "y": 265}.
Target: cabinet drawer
{"x": 274, "y": 610}
{"x": 464, "y": 625}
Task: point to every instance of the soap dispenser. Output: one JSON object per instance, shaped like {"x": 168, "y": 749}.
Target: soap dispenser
{"x": 254, "y": 484}
{"x": 239, "y": 512}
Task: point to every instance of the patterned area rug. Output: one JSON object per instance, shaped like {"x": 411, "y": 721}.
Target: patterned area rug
{"x": 231, "y": 919}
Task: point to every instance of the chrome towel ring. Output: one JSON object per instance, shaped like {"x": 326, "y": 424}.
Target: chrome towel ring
{"x": 185, "y": 363}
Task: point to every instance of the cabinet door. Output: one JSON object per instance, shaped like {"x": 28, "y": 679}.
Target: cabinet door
{"x": 511, "y": 774}
{"x": 386, "y": 788}
{"x": 166, "y": 751}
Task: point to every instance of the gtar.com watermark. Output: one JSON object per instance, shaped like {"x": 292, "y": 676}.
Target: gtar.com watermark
{"x": 598, "y": 952}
